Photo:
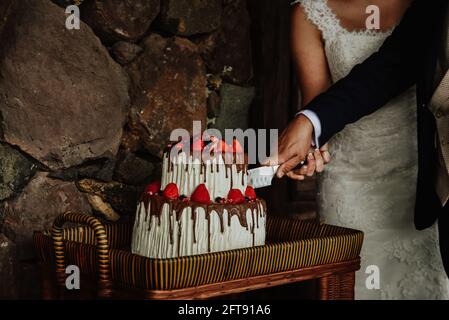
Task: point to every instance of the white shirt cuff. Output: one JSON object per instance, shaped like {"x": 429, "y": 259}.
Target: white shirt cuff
{"x": 316, "y": 123}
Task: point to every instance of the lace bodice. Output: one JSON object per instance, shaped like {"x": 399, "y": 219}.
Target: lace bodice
{"x": 370, "y": 183}
{"x": 344, "y": 48}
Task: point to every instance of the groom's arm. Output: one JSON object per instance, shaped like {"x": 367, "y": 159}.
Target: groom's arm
{"x": 370, "y": 85}
{"x": 381, "y": 77}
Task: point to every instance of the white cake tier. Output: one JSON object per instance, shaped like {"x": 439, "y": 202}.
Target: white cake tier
{"x": 189, "y": 173}
{"x": 164, "y": 236}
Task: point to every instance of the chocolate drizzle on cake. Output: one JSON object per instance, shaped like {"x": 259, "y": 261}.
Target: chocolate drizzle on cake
{"x": 154, "y": 206}
{"x": 220, "y": 171}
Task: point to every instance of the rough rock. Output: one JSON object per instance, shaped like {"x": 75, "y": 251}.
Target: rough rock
{"x": 15, "y": 171}
{"x": 213, "y": 105}
{"x": 130, "y": 140}
{"x": 114, "y": 20}
{"x": 228, "y": 50}
{"x": 121, "y": 197}
{"x": 234, "y": 107}
{"x": 8, "y": 266}
{"x": 125, "y": 52}
{"x": 101, "y": 169}
{"x": 66, "y": 3}
{"x": 62, "y": 101}
{"x": 214, "y": 82}
{"x": 133, "y": 169}
{"x": 7, "y": 8}
{"x": 40, "y": 202}
{"x": 168, "y": 85}
{"x": 189, "y": 17}
{"x": 9, "y": 12}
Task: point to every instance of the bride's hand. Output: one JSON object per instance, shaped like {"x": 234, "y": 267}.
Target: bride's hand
{"x": 316, "y": 161}
{"x": 294, "y": 145}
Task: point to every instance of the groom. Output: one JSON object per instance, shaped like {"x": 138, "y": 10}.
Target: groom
{"x": 417, "y": 53}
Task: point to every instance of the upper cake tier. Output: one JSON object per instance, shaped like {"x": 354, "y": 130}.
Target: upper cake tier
{"x": 220, "y": 173}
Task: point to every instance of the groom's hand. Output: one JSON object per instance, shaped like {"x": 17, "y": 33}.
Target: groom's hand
{"x": 294, "y": 147}
{"x": 315, "y": 164}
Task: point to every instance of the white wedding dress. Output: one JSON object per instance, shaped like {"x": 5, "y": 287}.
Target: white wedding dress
{"x": 370, "y": 184}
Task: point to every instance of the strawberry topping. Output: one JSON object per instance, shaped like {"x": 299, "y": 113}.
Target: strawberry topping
{"x": 237, "y": 147}
{"x": 197, "y": 144}
{"x": 222, "y": 146}
{"x": 153, "y": 188}
{"x": 229, "y": 148}
{"x": 250, "y": 193}
{"x": 171, "y": 191}
{"x": 201, "y": 195}
{"x": 235, "y": 196}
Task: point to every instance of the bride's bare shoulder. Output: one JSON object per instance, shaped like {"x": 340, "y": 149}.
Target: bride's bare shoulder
{"x": 301, "y": 22}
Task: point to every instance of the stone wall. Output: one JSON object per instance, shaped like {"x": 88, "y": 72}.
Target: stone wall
{"x": 85, "y": 114}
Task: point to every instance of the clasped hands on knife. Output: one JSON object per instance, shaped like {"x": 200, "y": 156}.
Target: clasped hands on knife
{"x": 296, "y": 147}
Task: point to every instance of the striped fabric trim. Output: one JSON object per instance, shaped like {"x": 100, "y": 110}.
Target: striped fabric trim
{"x": 292, "y": 244}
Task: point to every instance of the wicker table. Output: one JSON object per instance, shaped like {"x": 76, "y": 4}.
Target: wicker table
{"x": 298, "y": 252}
{"x": 335, "y": 281}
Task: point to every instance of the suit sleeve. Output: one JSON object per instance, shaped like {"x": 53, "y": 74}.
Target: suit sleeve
{"x": 378, "y": 79}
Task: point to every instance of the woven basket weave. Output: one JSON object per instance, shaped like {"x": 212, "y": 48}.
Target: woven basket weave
{"x": 102, "y": 250}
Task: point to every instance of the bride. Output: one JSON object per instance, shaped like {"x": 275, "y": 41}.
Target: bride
{"x": 370, "y": 182}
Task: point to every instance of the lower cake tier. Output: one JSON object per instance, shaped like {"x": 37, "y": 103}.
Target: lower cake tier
{"x": 176, "y": 228}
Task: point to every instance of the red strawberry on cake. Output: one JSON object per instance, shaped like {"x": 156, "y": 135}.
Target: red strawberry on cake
{"x": 171, "y": 191}
{"x": 153, "y": 188}
{"x": 237, "y": 147}
{"x": 250, "y": 193}
{"x": 201, "y": 195}
{"x": 197, "y": 144}
{"x": 235, "y": 196}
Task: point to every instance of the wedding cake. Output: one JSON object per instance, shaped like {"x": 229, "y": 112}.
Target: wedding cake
{"x": 200, "y": 205}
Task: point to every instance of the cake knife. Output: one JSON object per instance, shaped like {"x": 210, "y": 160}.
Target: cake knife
{"x": 263, "y": 176}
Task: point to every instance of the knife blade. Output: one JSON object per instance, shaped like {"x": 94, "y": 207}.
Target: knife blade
{"x": 263, "y": 176}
